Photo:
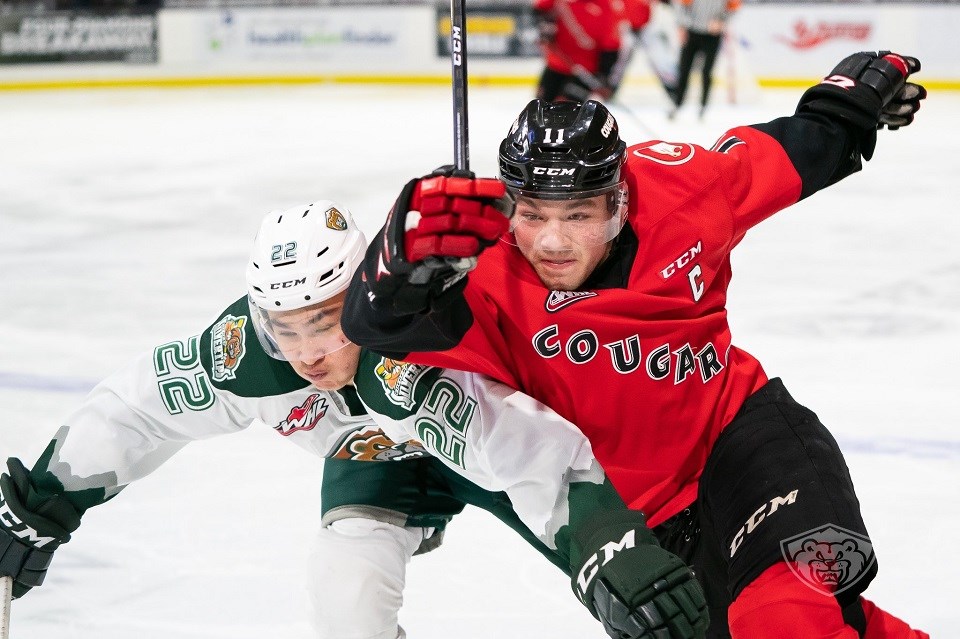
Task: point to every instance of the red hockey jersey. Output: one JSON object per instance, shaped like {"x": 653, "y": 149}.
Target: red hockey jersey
{"x": 584, "y": 29}
{"x": 640, "y": 357}
{"x": 648, "y": 372}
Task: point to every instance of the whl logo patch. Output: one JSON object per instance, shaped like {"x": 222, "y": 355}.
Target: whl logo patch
{"x": 829, "y": 559}
{"x": 561, "y": 299}
{"x": 303, "y": 417}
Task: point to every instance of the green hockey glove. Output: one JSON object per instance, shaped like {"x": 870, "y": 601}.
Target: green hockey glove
{"x": 32, "y": 527}
{"x": 634, "y": 587}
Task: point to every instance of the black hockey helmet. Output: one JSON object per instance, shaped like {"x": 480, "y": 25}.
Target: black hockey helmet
{"x": 557, "y": 149}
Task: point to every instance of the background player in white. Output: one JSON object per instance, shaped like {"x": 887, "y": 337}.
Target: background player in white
{"x": 278, "y": 356}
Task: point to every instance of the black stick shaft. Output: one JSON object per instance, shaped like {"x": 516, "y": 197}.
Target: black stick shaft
{"x": 458, "y": 58}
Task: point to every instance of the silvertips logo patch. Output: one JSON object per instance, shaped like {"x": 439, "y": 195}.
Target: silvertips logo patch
{"x": 399, "y": 379}
{"x": 228, "y": 346}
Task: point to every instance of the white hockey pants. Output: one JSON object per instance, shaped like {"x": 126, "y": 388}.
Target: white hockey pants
{"x": 356, "y": 577}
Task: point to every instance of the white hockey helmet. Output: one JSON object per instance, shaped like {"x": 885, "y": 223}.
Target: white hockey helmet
{"x": 301, "y": 257}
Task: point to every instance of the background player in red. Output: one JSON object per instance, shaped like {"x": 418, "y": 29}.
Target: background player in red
{"x": 607, "y": 302}
{"x": 582, "y": 41}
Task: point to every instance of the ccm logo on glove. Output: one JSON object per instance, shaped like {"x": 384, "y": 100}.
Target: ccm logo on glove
{"x": 15, "y": 525}
{"x": 592, "y": 565}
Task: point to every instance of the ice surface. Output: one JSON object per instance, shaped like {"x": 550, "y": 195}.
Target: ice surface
{"x": 125, "y": 220}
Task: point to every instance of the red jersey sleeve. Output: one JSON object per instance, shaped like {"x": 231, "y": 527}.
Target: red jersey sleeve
{"x": 756, "y": 175}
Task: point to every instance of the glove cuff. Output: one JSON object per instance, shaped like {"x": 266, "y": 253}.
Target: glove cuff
{"x": 606, "y": 524}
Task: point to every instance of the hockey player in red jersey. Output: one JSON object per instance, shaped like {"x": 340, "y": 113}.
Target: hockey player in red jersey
{"x": 581, "y": 40}
{"x": 613, "y": 275}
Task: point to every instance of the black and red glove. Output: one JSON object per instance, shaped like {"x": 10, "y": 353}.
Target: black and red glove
{"x": 868, "y": 91}
{"x": 433, "y": 235}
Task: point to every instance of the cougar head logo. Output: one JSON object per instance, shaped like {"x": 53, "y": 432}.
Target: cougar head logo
{"x": 827, "y": 564}
{"x": 829, "y": 559}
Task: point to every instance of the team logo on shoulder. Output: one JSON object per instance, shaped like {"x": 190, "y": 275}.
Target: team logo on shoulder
{"x": 303, "y": 417}
{"x": 373, "y": 445}
{"x": 561, "y": 299}
{"x": 227, "y": 344}
{"x": 829, "y": 559}
{"x": 399, "y": 380}
{"x": 335, "y": 220}
{"x": 671, "y": 153}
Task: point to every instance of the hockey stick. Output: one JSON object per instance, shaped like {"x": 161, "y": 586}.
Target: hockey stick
{"x": 593, "y": 83}
{"x": 458, "y": 60}
{"x": 6, "y": 594}
{"x": 422, "y": 273}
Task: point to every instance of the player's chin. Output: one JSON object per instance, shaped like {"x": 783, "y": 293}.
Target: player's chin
{"x": 560, "y": 277}
{"x": 329, "y": 383}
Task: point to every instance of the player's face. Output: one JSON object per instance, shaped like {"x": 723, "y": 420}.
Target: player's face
{"x": 312, "y": 341}
{"x": 564, "y": 240}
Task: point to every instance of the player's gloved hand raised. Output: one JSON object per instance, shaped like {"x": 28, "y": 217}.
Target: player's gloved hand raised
{"x": 32, "y": 527}
{"x": 868, "y": 91}
{"x": 433, "y": 235}
{"x": 633, "y": 586}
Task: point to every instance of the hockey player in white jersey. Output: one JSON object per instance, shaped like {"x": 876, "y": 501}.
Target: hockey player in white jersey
{"x": 277, "y": 357}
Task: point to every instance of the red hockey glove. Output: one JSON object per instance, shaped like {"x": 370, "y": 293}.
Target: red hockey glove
{"x": 634, "y": 587}
{"x": 868, "y": 90}
{"x": 452, "y": 216}
{"x": 433, "y": 235}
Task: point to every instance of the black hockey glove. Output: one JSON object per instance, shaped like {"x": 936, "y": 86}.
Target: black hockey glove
{"x": 32, "y": 527}
{"x": 433, "y": 235}
{"x": 633, "y": 586}
{"x": 868, "y": 91}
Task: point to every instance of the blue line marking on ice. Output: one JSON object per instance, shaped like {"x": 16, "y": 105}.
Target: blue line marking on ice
{"x": 916, "y": 448}
{"x": 26, "y": 381}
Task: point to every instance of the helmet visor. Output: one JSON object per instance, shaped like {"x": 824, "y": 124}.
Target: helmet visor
{"x": 546, "y": 221}
{"x": 299, "y": 335}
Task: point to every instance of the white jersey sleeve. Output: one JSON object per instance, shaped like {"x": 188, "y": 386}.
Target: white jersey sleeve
{"x": 214, "y": 383}
{"x": 494, "y": 436}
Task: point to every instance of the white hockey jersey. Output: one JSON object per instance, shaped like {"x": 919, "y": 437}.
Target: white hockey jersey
{"x": 221, "y": 381}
